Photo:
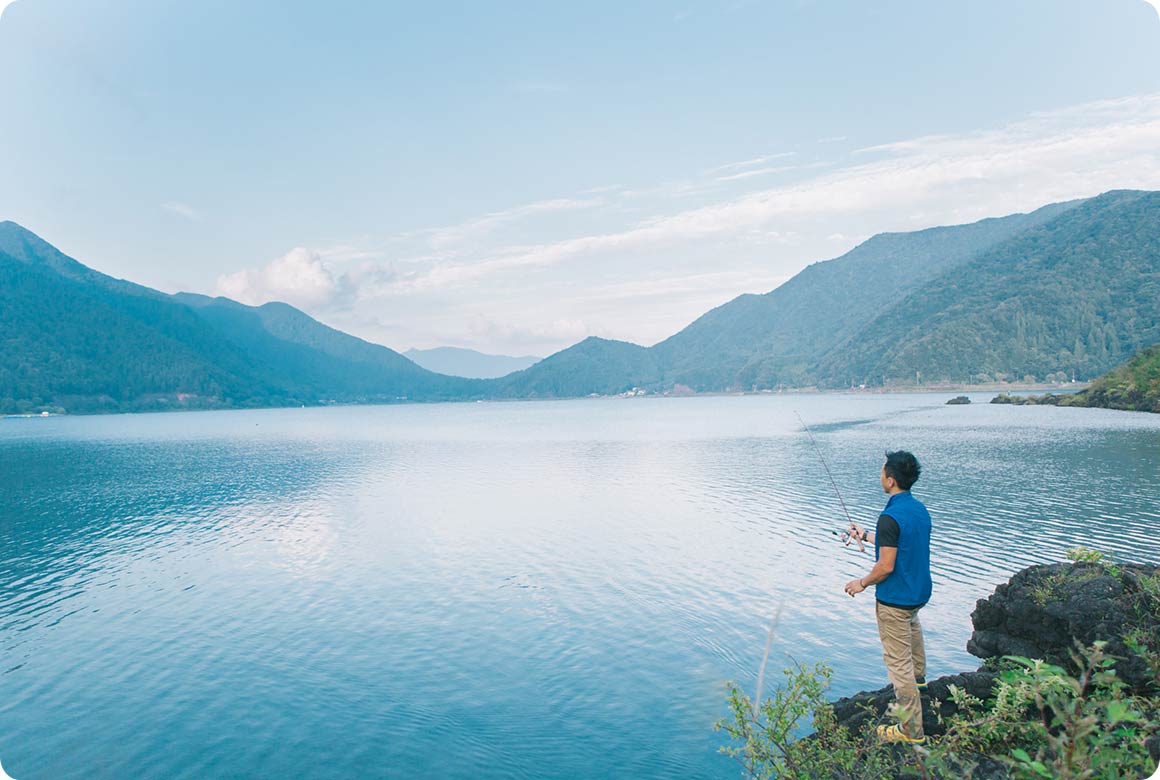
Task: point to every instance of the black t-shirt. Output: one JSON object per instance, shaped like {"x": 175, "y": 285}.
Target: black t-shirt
{"x": 888, "y": 531}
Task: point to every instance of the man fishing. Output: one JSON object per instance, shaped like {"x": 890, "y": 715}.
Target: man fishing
{"x": 901, "y": 577}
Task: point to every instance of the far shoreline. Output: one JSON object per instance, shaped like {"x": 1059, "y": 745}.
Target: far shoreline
{"x": 992, "y": 387}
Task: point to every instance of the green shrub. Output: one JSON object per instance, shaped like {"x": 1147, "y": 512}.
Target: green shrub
{"x": 1041, "y": 722}
{"x": 770, "y": 735}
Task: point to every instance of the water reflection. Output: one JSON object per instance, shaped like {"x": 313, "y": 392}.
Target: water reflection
{"x": 493, "y": 590}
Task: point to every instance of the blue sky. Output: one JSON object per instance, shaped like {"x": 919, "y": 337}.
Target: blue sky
{"x": 516, "y": 176}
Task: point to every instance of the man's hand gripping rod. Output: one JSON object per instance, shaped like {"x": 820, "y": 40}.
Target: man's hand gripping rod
{"x": 846, "y": 537}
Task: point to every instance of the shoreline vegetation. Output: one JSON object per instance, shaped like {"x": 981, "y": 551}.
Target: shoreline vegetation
{"x": 1069, "y": 688}
{"x": 1133, "y": 387}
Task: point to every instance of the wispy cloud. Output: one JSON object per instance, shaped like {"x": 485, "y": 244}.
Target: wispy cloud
{"x": 773, "y": 170}
{"x": 733, "y": 166}
{"x": 182, "y": 210}
{"x": 1051, "y": 156}
{"x": 1155, "y": 4}
{"x": 475, "y": 228}
{"x": 675, "y": 263}
{"x": 4, "y": 6}
{"x": 343, "y": 253}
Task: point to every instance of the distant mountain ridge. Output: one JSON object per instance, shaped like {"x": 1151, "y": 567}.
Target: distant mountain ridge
{"x": 1077, "y": 294}
{"x": 77, "y": 340}
{"x": 469, "y": 363}
{"x": 777, "y": 338}
{"x": 806, "y": 332}
{"x": 1071, "y": 288}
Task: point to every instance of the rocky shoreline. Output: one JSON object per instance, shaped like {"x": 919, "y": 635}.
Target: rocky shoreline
{"x": 1043, "y": 612}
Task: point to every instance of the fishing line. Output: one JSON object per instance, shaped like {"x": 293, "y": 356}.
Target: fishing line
{"x": 826, "y": 466}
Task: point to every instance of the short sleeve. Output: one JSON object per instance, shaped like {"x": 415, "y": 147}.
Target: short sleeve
{"x": 888, "y": 531}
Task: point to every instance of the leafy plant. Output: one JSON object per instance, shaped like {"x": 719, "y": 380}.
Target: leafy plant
{"x": 1041, "y": 722}
{"x": 1084, "y": 555}
{"x": 1088, "y": 727}
{"x": 770, "y": 735}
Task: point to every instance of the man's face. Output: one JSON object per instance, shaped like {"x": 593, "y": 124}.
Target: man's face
{"x": 887, "y": 482}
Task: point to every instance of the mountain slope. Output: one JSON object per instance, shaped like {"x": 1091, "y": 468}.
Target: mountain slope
{"x": 1073, "y": 287}
{"x": 594, "y": 365}
{"x": 776, "y": 338}
{"x": 779, "y": 337}
{"x": 297, "y": 352}
{"x": 1080, "y": 293}
{"x": 81, "y": 341}
{"x": 67, "y": 346}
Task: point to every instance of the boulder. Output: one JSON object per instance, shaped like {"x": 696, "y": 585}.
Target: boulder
{"x": 861, "y": 709}
{"x": 1044, "y": 611}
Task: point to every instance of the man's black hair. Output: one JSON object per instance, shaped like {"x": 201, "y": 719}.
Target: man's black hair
{"x": 903, "y": 467}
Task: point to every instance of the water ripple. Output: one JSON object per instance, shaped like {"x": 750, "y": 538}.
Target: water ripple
{"x": 495, "y": 590}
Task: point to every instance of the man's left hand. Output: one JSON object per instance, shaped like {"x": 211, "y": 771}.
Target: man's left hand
{"x": 854, "y": 587}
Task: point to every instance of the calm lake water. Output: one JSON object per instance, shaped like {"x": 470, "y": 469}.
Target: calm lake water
{"x": 550, "y": 590}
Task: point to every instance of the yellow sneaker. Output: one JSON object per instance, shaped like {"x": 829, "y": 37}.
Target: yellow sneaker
{"x": 896, "y": 734}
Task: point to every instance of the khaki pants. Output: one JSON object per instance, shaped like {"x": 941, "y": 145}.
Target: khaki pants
{"x": 905, "y": 657}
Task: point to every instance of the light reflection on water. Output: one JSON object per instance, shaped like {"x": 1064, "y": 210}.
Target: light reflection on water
{"x": 494, "y": 590}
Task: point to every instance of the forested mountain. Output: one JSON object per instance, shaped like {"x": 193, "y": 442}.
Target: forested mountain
{"x": 787, "y": 337}
{"x": 778, "y": 338}
{"x": 81, "y": 344}
{"x": 76, "y": 340}
{"x": 1072, "y": 288}
{"x": 1079, "y": 295}
{"x": 313, "y": 361}
{"x": 594, "y": 366}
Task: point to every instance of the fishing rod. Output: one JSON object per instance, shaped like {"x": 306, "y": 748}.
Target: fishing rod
{"x": 837, "y": 492}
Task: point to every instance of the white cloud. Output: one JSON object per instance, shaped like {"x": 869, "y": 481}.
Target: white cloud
{"x": 4, "y": 6}
{"x": 300, "y": 277}
{"x": 677, "y": 262}
{"x": 182, "y": 210}
{"x": 475, "y": 228}
{"x": 1048, "y": 157}
{"x": 772, "y": 170}
{"x": 733, "y": 166}
{"x": 1155, "y": 4}
{"x": 347, "y": 252}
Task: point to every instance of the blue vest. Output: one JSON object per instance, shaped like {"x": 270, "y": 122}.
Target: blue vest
{"x": 909, "y": 585}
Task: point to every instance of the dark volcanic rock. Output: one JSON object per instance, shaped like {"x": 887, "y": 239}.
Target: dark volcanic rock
{"x": 861, "y": 709}
{"x": 1042, "y": 612}
{"x": 1045, "y": 610}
